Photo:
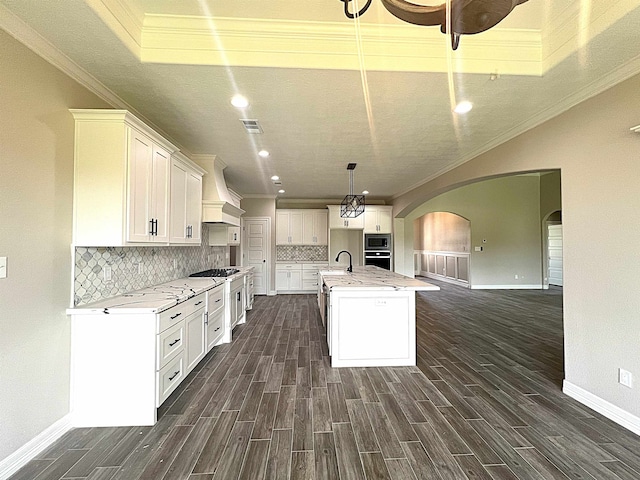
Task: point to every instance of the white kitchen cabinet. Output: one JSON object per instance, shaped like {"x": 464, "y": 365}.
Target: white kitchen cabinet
{"x": 338, "y": 222}
{"x": 310, "y": 275}
{"x": 124, "y": 365}
{"x": 186, "y": 201}
{"x": 314, "y": 227}
{"x": 288, "y": 277}
{"x": 121, "y": 180}
{"x": 195, "y": 327}
{"x": 233, "y": 235}
{"x": 378, "y": 219}
{"x": 289, "y": 227}
{"x": 215, "y": 324}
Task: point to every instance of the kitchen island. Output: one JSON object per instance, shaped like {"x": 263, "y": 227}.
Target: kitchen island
{"x": 370, "y": 315}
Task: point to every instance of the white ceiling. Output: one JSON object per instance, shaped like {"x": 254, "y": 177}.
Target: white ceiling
{"x": 321, "y": 103}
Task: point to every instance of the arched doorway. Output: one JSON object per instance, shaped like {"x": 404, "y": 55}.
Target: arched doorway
{"x": 442, "y": 246}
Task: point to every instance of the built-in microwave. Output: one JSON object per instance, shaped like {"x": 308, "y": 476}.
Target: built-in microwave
{"x": 377, "y": 241}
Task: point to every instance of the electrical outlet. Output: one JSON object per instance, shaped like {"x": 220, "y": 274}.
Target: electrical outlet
{"x": 3, "y": 267}
{"x": 175, "y": 263}
{"x": 625, "y": 378}
{"x": 516, "y": 276}
{"x": 208, "y": 258}
{"x": 140, "y": 268}
{"x": 106, "y": 271}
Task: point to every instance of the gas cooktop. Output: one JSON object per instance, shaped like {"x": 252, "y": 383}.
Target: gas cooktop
{"x": 216, "y": 272}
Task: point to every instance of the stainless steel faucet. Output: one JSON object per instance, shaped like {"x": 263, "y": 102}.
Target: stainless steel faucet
{"x": 350, "y": 269}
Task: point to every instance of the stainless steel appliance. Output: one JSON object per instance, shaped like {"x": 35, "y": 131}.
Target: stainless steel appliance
{"x": 379, "y": 258}
{"x": 377, "y": 241}
{"x": 216, "y": 272}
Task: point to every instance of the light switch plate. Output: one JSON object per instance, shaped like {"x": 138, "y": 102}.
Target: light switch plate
{"x": 3, "y": 267}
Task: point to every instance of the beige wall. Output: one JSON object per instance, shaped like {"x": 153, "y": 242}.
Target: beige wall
{"x": 504, "y": 212}
{"x": 550, "y": 193}
{"x": 36, "y": 180}
{"x": 264, "y": 207}
{"x": 599, "y": 159}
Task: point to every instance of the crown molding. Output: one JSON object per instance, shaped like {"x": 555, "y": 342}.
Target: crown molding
{"x": 26, "y": 35}
{"x": 121, "y": 20}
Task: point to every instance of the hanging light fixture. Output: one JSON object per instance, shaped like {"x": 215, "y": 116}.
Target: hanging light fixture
{"x": 467, "y": 16}
{"x": 352, "y": 205}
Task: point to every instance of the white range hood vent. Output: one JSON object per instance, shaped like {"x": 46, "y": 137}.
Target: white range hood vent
{"x": 219, "y": 204}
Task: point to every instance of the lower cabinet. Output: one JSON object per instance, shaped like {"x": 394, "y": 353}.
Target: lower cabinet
{"x": 215, "y": 325}
{"x": 297, "y": 277}
{"x": 195, "y": 348}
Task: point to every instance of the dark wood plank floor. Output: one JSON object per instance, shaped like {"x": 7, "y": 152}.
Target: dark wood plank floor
{"x": 484, "y": 402}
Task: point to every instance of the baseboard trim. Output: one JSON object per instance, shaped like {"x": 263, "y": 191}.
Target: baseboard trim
{"x": 507, "y": 287}
{"x": 607, "y": 409}
{"x": 33, "y": 447}
{"x": 444, "y": 279}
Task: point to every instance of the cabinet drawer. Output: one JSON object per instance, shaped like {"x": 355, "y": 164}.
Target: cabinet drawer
{"x": 216, "y": 299}
{"x": 179, "y": 312}
{"x": 169, "y": 378}
{"x": 289, "y": 266}
{"x": 215, "y": 329}
{"x": 310, "y": 284}
{"x": 170, "y": 343}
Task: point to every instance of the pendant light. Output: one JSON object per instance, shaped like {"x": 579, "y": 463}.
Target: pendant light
{"x": 353, "y": 205}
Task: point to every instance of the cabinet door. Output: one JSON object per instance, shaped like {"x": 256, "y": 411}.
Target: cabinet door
{"x": 295, "y": 280}
{"x": 178, "y": 230}
{"x": 282, "y": 228}
{"x": 194, "y": 207}
{"x": 139, "y": 188}
{"x": 370, "y": 220}
{"x": 295, "y": 227}
{"x": 320, "y": 228}
{"x": 215, "y": 328}
{"x": 385, "y": 220}
{"x": 282, "y": 280}
{"x": 161, "y": 167}
{"x": 195, "y": 347}
{"x": 308, "y": 228}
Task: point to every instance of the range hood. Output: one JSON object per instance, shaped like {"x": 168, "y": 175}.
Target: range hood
{"x": 219, "y": 204}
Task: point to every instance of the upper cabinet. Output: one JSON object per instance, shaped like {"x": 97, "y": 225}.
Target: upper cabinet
{"x": 186, "y": 200}
{"x": 289, "y": 227}
{"x": 301, "y": 227}
{"x": 314, "y": 227}
{"x": 378, "y": 219}
{"x": 338, "y": 222}
{"x": 122, "y": 191}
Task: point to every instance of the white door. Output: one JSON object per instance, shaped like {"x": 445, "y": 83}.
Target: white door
{"x": 257, "y": 232}
{"x": 554, "y": 242}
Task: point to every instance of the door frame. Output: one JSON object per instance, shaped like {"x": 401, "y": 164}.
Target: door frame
{"x": 268, "y": 290}
{"x": 545, "y": 246}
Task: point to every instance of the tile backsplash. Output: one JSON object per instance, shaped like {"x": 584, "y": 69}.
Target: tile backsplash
{"x": 307, "y": 253}
{"x": 133, "y": 268}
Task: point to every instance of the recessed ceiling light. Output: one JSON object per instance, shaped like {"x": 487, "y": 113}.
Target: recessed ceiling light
{"x": 275, "y": 177}
{"x": 263, "y": 153}
{"x": 281, "y": 191}
{"x": 463, "y": 107}
{"x": 365, "y": 192}
{"x": 239, "y": 101}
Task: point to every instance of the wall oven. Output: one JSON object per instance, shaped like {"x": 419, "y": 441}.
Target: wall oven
{"x": 379, "y": 258}
{"x": 377, "y": 241}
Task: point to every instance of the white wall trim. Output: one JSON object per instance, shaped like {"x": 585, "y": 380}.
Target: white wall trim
{"x": 33, "y": 447}
{"x": 603, "y": 407}
{"x": 536, "y": 286}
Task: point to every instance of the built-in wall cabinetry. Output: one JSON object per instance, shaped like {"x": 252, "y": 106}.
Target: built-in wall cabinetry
{"x": 222, "y": 235}
{"x": 186, "y": 200}
{"x": 124, "y": 192}
{"x": 338, "y": 222}
{"x": 289, "y": 227}
{"x": 378, "y": 219}
{"x": 314, "y": 227}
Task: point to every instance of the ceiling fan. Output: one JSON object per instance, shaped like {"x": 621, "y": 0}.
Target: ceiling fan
{"x": 467, "y": 16}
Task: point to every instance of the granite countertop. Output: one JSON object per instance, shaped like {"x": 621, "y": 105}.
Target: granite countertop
{"x": 317, "y": 262}
{"x": 373, "y": 278}
{"x": 158, "y": 298}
